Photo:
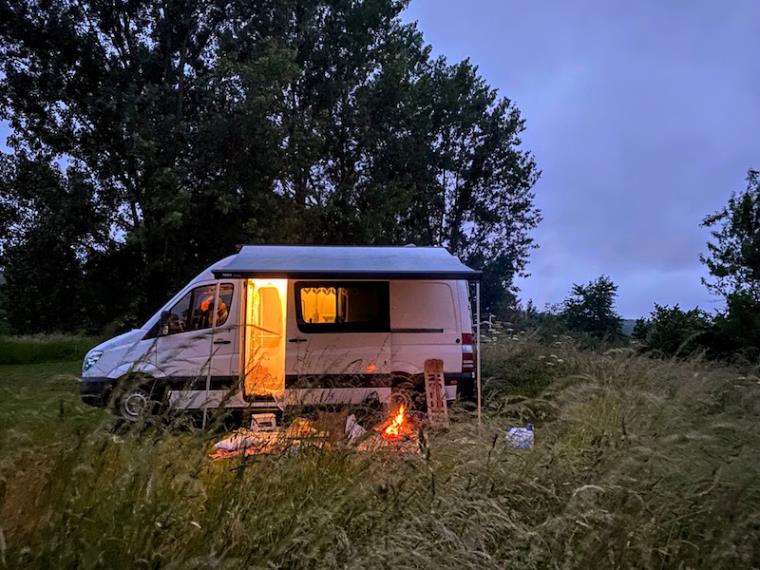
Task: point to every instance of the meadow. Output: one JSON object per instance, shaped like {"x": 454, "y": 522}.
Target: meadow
{"x": 638, "y": 463}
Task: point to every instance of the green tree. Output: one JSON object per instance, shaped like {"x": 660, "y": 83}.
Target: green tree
{"x": 4, "y": 325}
{"x": 733, "y": 258}
{"x": 55, "y": 224}
{"x": 204, "y": 124}
{"x": 640, "y": 330}
{"x": 671, "y": 331}
{"x": 589, "y": 310}
{"x": 737, "y": 329}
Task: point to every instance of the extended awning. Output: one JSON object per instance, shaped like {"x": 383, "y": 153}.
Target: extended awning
{"x": 345, "y": 262}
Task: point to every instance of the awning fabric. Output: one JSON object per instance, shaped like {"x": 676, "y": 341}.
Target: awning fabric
{"x": 345, "y": 262}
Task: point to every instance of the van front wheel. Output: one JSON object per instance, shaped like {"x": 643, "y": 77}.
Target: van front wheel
{"x": 137, "y": 402}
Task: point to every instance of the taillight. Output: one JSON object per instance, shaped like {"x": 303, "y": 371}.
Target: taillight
{"x": 468, "y": 353}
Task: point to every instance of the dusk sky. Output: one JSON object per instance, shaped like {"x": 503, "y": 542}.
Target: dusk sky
{"x": 643, "y": 116}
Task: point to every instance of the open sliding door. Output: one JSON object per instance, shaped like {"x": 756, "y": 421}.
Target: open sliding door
{"x": 264, "y": 364}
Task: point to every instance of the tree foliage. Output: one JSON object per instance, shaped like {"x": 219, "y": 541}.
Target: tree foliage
{"x": 640, "y": 330}
{"x": 671, "y": 331}
{"x": 193, "y": 126}
{"x": 590, "y": 310}
{"x": 733, "y": 258}
{"x": 736, "y": 331}
{"x": 54, "y": 225}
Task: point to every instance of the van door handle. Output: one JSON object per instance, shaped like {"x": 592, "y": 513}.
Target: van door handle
{"x": 297, "y": 340}
{"x": 222, "y": 341}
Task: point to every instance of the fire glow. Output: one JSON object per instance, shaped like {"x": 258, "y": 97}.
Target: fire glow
{"x": 399, "y": 425}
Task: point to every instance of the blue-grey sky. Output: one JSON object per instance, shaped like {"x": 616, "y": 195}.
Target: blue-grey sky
{"x": 643, "y": 116}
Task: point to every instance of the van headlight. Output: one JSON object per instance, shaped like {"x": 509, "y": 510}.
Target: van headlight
{"x": 91, "y": 359}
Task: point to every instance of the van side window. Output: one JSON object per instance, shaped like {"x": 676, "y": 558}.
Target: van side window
{"x": 195, "y": 310}
{"x": 342, "y": 306}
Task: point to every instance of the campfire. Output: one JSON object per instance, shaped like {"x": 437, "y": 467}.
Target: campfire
{"x": 398, "y": 432}
{"x": 398, "y": 426}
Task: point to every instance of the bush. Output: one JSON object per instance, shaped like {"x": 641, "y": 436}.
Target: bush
{"x": 670, "y": 331}
{"x": 733, "y": 335}
{"x": 517, "y": 366}
{"x": 44, "y": 348}
{"x": 736, "y": 332}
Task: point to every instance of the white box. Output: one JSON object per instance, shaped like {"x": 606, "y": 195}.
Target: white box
{"x": 263, "y": 422}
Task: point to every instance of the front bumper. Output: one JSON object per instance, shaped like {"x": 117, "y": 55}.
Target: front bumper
{"x": 95, "y": 391}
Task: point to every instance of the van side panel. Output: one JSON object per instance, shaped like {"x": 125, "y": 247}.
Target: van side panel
{"x": 342, "y": 353}
{"x": 425, "y": 323}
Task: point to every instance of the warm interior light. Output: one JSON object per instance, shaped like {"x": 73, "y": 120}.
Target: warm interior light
{"x": 319, "y": 304}
{"x": 265, "y": 337}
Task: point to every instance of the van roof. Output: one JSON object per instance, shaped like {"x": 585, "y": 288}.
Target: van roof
{"x": 344, "y": 262}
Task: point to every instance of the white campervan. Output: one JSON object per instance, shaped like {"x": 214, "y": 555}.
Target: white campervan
{"x": 274, "y": 326}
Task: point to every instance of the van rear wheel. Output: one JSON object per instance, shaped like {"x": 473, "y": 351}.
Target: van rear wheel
{"x": 410, "y": 391}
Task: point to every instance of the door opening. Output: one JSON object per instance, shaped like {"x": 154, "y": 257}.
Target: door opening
{"x": 266, "y": 302}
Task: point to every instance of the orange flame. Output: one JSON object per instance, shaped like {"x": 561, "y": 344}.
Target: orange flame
{"x": 395, "y": 428}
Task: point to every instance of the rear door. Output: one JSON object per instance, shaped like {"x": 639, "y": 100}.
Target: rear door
{"x": 425, "y": 324}
{"x": 340, "y": 330}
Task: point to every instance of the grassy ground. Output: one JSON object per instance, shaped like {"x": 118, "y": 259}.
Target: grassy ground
{"x": 637, "y": 463}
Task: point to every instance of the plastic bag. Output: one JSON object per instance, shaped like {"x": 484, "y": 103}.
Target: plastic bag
{"x": 520, "y": 437}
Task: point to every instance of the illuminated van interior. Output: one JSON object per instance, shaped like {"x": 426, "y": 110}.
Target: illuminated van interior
{"x": 265, "y": 312}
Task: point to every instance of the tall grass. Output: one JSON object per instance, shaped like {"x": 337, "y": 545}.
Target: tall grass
{"x": 44, "y": 348}
{"x": 638, "y": 463}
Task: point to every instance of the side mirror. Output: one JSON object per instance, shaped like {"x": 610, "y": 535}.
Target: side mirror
{"x": 163, "y": 323}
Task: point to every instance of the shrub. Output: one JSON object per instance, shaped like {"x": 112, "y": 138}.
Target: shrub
{"x": 671, "y": 331}
{"x": 518, "y": 366}
{"x": 736, "y": 332}
{"x": 44, "y": 348}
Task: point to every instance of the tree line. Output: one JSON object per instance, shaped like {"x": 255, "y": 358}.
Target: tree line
{"x": 149, "y": 139}
{"x": 733, "y": 263}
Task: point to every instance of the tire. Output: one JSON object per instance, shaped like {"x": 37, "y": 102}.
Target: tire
{"x": 137, "y": 400}
{"x": 410, "y": 391}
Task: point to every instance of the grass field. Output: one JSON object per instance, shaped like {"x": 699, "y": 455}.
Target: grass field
{"x": 638, "y": 463}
